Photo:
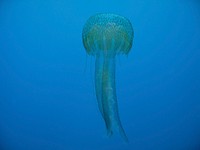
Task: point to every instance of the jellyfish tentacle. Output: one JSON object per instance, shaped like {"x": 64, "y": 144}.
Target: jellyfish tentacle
{"x": 98, "y": 81}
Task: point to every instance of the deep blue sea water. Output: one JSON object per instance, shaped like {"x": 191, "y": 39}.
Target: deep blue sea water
{"x": 47, "y": 96}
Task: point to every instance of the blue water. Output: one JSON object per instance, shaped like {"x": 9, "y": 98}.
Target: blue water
{"x": 47, "y": 96}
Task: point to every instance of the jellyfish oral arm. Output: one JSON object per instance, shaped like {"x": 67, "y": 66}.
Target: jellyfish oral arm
{"x": 106, "y": 93}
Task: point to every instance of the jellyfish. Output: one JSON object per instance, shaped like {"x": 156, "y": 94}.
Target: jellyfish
{"x": 104, "y": 36}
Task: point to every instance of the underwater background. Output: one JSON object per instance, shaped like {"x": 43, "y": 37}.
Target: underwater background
{"x": 47, "y": 95}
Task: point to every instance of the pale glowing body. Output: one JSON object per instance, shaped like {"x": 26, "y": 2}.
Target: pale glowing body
{"x": 105, "y": 36}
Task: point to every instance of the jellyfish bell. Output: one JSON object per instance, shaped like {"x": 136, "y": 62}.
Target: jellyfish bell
{"x": 107, "y": 32}
{"x": 104, "y": 36}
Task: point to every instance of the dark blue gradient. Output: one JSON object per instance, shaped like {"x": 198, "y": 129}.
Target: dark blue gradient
{"x": 47, "y": 101}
